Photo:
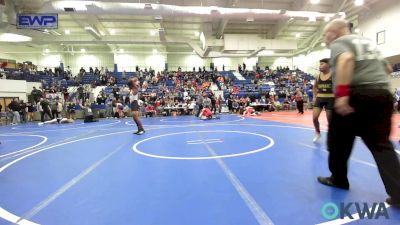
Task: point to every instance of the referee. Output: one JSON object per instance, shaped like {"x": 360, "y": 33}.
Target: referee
{"x": 363, "y": 107}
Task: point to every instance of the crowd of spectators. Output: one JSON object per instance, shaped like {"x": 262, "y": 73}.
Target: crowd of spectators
{"x": 168, "y": 92}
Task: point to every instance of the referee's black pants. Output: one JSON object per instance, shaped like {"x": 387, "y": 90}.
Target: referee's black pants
{"x": 372, "y": 122}
{"x": 300, "y": 106}
{"x": 45, "y": 111}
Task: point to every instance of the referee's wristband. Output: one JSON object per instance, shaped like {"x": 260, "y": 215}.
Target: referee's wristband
{"x": 342, "y": 91}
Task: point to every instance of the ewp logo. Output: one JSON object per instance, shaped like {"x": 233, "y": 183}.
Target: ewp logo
{"x": 331, "y": 211}
{"x": 37, "y": 21}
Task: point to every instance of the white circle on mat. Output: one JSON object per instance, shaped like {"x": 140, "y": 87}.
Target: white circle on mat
{"x": 271, "y": 143}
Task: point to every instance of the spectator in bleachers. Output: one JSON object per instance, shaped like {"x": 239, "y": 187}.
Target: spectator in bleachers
{"x": 149, "y": 110}
{"x": 66, "y": 94}
{"x": 36, "y": 94}
{"x": 68, "y": 71}
{"x": 115, "y": 92}
{"x": 96, "y": 72}
{"x": 123, "y": 76}
{"x": 80, "y": 92}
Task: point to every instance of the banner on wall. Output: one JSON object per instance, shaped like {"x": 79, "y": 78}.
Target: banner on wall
{"x": 37, "y": 21}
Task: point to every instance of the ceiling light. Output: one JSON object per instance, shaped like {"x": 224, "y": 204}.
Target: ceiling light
{"x": 83, "y": 50}
{"x": 10, "y": 37}
{"x": 250, "y": 19}
{"x": 342, "y": 15}
{"x": 359, "y": 2}
{"x": 314, "y": 1}
{"x": 312, "y": 19}
{"x": 47, "y": 50}
{"x": 155, "y": 51}
{"x": 121, "y": 50}
{"x": 45, "y": 31}
{"x": 298, "y": 35}
{"x": 323, "y": 44}
{"x": 152, "y": 32}
{"x": 67, "y": 32}
{"x": 112, "y": 32}
{"x": 266, "y": 52}
{"x": 214, "y": 9}
{"x": 76, "y": 5}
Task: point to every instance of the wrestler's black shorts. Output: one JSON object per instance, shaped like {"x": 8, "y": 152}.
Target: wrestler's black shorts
{"x": 326, "y": 103}
{"x": 135, "y": 105}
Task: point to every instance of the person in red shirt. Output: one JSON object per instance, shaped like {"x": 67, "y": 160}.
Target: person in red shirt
{"x": 149, "y": 110}
{"x": 206, "y": 114}
{"x": 250, "y": 111}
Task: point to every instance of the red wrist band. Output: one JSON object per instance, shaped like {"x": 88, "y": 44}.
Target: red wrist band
{"x": 342, "y": 90}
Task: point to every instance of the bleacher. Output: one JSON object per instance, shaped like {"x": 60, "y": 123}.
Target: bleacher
{"x": 229, "y": 74}
{"x": 247, "y": 86}
{"x": 120, "y": 80}
{"x": 89, "y": 78}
